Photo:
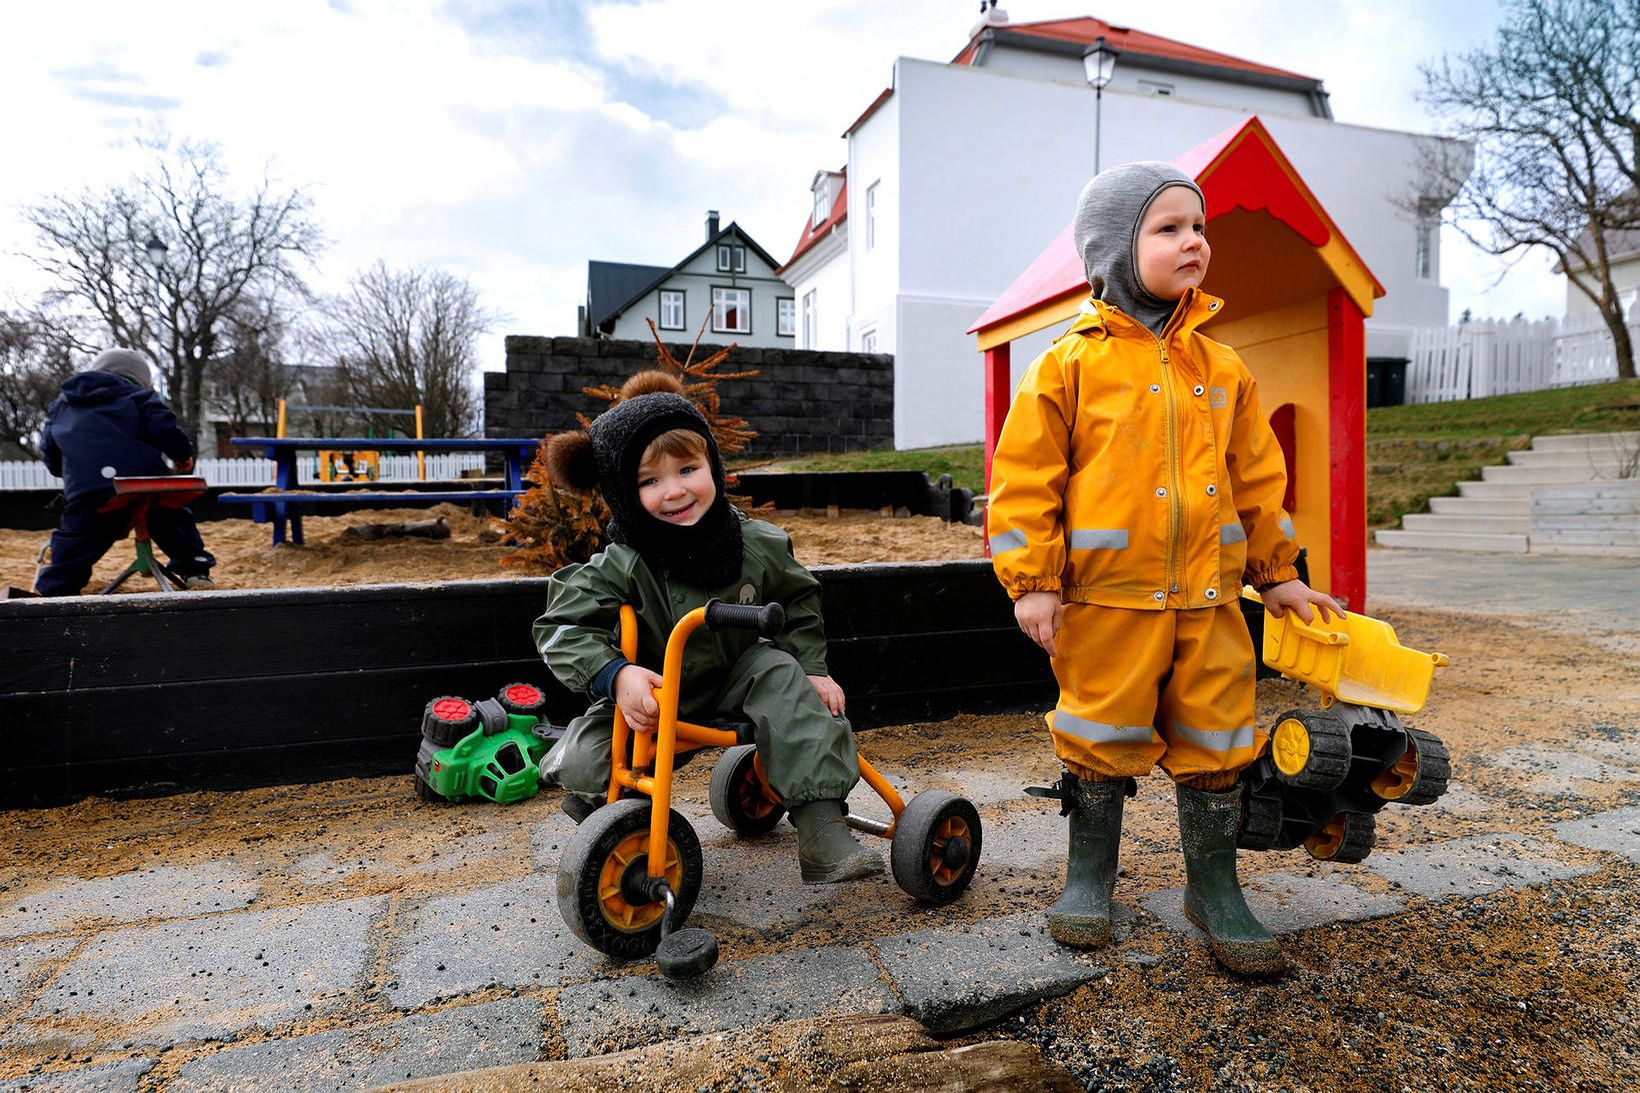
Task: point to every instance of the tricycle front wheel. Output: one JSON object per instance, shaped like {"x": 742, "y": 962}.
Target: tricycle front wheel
{"x": 936, "y": 846}
{"x": 600, "y": 876}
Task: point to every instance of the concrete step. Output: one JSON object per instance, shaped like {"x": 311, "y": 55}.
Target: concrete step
{"x": 1627, "y": 550}
{"x": 1481, "y": 506}
{"x": 1433, "y": 540}
{"x": 1451, "y": 522}
{"x": 1526, "y": 457}
{"x": 1549, "y": 475}
{"x": 1620, "y": 442}
{"x": 1495, "y": 491}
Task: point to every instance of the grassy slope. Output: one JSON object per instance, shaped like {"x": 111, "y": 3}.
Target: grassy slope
{"x": 1413, "y": 452}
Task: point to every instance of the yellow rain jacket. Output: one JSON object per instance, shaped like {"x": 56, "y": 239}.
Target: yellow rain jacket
{"x": 1139, "y": 472}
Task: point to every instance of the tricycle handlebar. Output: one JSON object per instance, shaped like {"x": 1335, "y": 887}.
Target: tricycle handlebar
{"x": 768, "y": 620}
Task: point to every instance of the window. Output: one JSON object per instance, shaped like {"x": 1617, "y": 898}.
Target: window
{"x": 671, "y": 309}
{"x": 785, "y": 316}
{"x": 871, "y": 216}
{"x": 1156, "y": 87}
{"x": 808, "y": 319}
{"x": 731, "y": 259}
{"x": 868, "y": 341}
{"x": 1424, "y": 257}
{"x": 731, "y": 311}
{"x": 822, "y": 201}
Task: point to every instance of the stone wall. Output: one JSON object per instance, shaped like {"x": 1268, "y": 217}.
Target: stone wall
{"x": 801, "y": 401}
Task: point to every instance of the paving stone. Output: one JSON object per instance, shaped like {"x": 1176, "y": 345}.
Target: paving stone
{"x": 1554, "y": 771}
{"x": 1617, "y": 831}
{"x": 615, "y": 1014}
{"x": 419, "y": 1046}
{"x": 1460, "y": 800}
{"x": 502, "y": 935}
{"x": 1287, "y": 903}
{"x": 959, "y": 977}
{"x": 208, "y": 977}
{"x": 163, "y": 892}
{"x": 988, "y": 787}
{"x": 1031, "y": 840}
{"x": 111, "y": 1077}
{"x": 459, "y": 852}
{"x": 1623, "y": 750}
{"x": 23, "y": 964}
{"x": 547, "y": 839}
{"x": 756, "y": 884}
{"x": 1473, "y": 866}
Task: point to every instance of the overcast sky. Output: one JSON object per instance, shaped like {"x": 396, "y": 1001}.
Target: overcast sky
{"x": 510, "y": 141}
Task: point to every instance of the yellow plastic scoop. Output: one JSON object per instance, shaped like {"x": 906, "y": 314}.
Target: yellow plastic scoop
{"x": 1355, "y": 659}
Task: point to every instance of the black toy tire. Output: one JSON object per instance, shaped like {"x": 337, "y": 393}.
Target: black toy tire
{"x": 444, "y": 728}
{"x": 1326, "y": 750}
{"x": 928, "y": 864}
{"x": 1346, "y": 838}
{"x": 1426, "y": 764}
{"x": 585, "y": 905}
{"x": 686, "y": 953}
{"x": 522, "y": 698}
{"x": 426, "y": 792}
{"x": 1260, "y": 822}
{"x": 737, "y": 796}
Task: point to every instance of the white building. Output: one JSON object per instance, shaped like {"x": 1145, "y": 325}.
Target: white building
{"x": 959, "y": 174}
{"x": 1623, "y": 249}
{"x": 729, "y": 277}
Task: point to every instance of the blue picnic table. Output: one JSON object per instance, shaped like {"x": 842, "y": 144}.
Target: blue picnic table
{"x": 286, "y": 505}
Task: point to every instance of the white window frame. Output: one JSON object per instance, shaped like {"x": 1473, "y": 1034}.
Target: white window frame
{"x": 683, "y": 308}
{"x": 720, "y": 297}
{"x": 868, "y": 340}
{"x": 1423, "y": 252}
{"x": 731, "y": 259}
{"x": 785, "y": 316}
{"x": 822, "y": 201}
{"x": 871, "y": 215}
{"x": 810, "y": 323}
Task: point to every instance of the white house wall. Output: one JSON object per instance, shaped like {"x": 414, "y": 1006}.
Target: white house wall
{"x": 988, "y": 169}
{"x": 824, "y": 271}
{"x": 1625, "y": 279}
{"x": 696, "y": 280}
{"x": 875, "y": 153}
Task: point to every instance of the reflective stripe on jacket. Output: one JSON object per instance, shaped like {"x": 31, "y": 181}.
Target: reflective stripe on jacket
{"x": 1140, "y": 472}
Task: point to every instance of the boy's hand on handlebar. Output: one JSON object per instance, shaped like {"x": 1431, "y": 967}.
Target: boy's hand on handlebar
{"x": 1039, "y": 615}
{"x": 830, "y": 693}
{"x": 635, "y": 695}
{"x": 1297, "y": 596}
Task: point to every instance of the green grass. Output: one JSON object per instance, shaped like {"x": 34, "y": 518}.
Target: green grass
{"x": 1413, "y": 452}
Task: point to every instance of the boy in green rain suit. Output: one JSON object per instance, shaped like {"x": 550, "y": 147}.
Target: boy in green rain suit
{"x": 676, "y": 542}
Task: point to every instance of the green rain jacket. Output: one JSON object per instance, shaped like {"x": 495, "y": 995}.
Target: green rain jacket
{"x": 576, "y": 634}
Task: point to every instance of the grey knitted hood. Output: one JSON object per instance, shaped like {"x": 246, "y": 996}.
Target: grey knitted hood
{"x": 1107, "y": 235}
{"x": 123, "y": 362}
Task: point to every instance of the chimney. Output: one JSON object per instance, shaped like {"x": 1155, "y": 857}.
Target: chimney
{"x": 711, "y": 224}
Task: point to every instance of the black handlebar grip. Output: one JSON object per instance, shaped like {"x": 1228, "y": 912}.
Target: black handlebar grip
{"x": 768, "y": 620}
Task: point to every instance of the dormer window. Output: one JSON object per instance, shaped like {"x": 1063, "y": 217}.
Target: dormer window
{"x": 822, "y": 200}
{"x": 731, "y": 259}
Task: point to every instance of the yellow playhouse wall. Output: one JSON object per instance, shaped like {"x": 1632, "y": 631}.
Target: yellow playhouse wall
{"x": 1286, "y": 350}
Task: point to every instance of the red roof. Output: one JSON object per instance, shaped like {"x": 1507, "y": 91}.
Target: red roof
{"x": 1262, "y": 179}
{"x": 1087, "y": 30}
{"x": 812, "y": 232}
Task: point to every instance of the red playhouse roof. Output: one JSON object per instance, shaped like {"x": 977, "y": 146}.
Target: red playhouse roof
{"x": 812, "y": 232}
{"x": 1241, "y": 168}
{"x": 1086, "y": 31}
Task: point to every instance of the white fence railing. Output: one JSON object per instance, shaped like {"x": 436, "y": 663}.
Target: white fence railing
{"x": 1504, "y": 358}
{"x": 395, "y": 467}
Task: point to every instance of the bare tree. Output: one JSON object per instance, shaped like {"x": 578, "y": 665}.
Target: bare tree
{"x": 403, "y": 337}
{"x": 36, "y": 355}
{"x": 221, "y": 250}
{"x": 1551, "y": 110}
{"x": 248, "y": 380}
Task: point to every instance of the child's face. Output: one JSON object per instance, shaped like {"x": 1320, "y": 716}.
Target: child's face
{"x": 1173, "y": 250}
{"x": 676, "y": 489}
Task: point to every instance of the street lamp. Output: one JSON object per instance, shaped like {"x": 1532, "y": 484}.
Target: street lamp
{"x": 1099, "y": 62}
{"x": 156, "y": 254}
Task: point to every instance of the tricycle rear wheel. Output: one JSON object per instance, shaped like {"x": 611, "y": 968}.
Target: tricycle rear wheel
{"x": 741, "y": 800}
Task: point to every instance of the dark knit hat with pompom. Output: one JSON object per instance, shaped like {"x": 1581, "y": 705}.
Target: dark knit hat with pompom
{"x": 606, "y": 456}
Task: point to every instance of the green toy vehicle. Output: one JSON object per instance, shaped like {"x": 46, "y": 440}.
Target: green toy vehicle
{"x": 490, "y": 749}
{"x": 1327, "y": 772}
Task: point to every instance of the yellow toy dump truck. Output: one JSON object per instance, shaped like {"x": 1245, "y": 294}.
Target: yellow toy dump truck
{"x": 1328, "y": 771}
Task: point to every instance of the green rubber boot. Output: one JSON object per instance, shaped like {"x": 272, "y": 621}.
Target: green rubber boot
{"x": 1212, "y": 894}
{"x": 1081, "y": 915}
{"x": 826, "y": 850}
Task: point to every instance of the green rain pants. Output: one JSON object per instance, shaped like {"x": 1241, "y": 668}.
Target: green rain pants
{"x": 808, "y": 755}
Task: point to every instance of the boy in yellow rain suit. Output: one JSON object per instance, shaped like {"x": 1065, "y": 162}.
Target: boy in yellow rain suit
{"x": 1135, "y": 487}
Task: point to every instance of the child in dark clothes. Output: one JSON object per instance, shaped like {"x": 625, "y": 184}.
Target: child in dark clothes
{"x": 108, "y": 423}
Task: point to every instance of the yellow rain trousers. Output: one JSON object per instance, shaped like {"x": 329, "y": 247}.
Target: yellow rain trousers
{"x": 1137, "y": 688}
{"x": 1137, "y": 478}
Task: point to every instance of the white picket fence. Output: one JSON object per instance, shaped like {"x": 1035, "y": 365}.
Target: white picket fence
{"x": 395, "y": 467}
{"x": 1506, "y": 357}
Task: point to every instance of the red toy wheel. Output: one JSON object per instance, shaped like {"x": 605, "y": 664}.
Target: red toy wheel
{"x": 448, "y": 719}
{"x": 523, "y": 698}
